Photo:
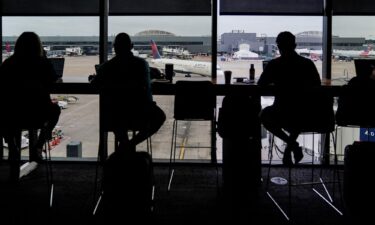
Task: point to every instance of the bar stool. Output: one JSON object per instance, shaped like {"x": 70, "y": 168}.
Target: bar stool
{"x": 13, "y": 137}
{"x": 13, "y": 120}
{"x": 99, "y": 162}
{"x": 354, "y": 110}
{"x": 194, "y": 101}
{"x": 110, "y": 114}
{"x": 318, "y": 119}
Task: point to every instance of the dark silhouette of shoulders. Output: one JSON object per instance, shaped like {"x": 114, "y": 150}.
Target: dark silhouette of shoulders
{"x": 27, "y": 71}
{"x": 293, "y": 70}
{"x": 123, "y": 71}
{"x": 362, "y": 82}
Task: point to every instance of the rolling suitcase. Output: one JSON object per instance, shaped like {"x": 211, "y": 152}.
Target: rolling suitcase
{"x": 128, "y": 186}
{"x": 239, "y": 126}
{"x": 358, "y": 177}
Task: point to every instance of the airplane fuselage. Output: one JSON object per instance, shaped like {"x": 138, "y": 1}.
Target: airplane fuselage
{"x": 182, "y": 66}
{"x": 354, "y": 53}
{"x": 185, "y": 66}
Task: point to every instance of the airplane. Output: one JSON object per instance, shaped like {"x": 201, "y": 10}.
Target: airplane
{"x": 187, "y": 67}
{"x": 73, "y": 51}
{"x": 8, "y": 50}
{"x": 314, "y": 55}
{"x": 177, "y": 52}
{"x": 136, "y": 53}
{"x": 348, "y": 55}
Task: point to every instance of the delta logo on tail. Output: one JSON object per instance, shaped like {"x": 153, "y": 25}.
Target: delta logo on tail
{"x": 155, "y": 51}
{"x": 366, "y": 52}
{"x": 186, "y": 67}
{"x": 8, "y": 49}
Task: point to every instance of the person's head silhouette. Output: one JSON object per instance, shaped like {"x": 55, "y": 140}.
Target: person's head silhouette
{"x": 286, "y": 42}
{"x": 28, "y": 44}
{"x": 122, "y": 44}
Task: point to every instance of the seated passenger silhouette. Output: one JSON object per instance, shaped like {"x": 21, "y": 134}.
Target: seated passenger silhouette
{"x": 26, "y": 77}
{"x": 292, "y": 73}
{"x": 353, "y": 104}
{"x": 126, "y": 98}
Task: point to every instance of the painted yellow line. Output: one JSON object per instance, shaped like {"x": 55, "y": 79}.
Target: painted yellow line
{"x": 182, "y": 151}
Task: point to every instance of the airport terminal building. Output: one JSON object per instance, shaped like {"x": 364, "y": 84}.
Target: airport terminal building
{"x": 142, "y": 42}
{"x": 264, "y": 45}
{"x": 197, "y": 45}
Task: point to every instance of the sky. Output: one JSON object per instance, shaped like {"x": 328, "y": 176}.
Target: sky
{"x": 363, "y": 26}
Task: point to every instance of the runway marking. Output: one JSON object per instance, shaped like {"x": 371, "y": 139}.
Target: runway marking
{"x": 184, "y": 140}
{"x": 73, "y": 112}
{"x": 182, "y": 151}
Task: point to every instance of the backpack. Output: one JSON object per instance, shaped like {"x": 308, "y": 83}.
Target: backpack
{"x": 238, "y": 117}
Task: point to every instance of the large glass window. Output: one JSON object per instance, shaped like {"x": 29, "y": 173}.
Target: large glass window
{"x": 185, "y": 42}
{"x": 176, "y": 41}
{"x": 77, "y": 132}
{"x": 347, "y": 46}
{"x": 246, "y": 40}
{"x": 73, "y": 41}
{"x": 182, "y": 34}
{"x": 350, "y": 44}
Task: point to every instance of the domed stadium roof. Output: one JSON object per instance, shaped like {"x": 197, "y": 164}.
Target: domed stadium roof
{"x": 154, "y": 33}
{"x": 310, "y": 34}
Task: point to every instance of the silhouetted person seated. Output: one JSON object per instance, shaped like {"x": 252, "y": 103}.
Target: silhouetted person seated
{"x": 26, "y": 77}
{"x": 354, "y": 104}
{"x": 126, "y": 98}
{"x": 291, "y": 72}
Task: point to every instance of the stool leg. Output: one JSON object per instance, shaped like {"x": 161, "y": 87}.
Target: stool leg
{"x": 330, "y": 201}
{"x": 1, "y": 147}
{"x": 14, "y": 157}
{"x": 270, "y": 156}
{"x": 49, "y": 173}
{"x": 335, "y": 169}
{"x": 100, "y": 160}
{"x": 321, "y": 169}
{"x": 290, "y": 190}
{"x": 313, "y": 159}
{"x": 149, "y": 146}
{"x": 172, "y": 154}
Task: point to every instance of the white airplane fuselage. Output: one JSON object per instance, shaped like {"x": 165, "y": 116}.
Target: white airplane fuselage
{"x": 186, "y": 66}
{"x": 353, "y": 53}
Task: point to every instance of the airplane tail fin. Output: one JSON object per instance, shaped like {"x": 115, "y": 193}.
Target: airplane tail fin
{"x": 155, "y": 51}
{"x": 369, "y": 48}
{"x": 7, "y": 47}
{"x": 366, "y": 52}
